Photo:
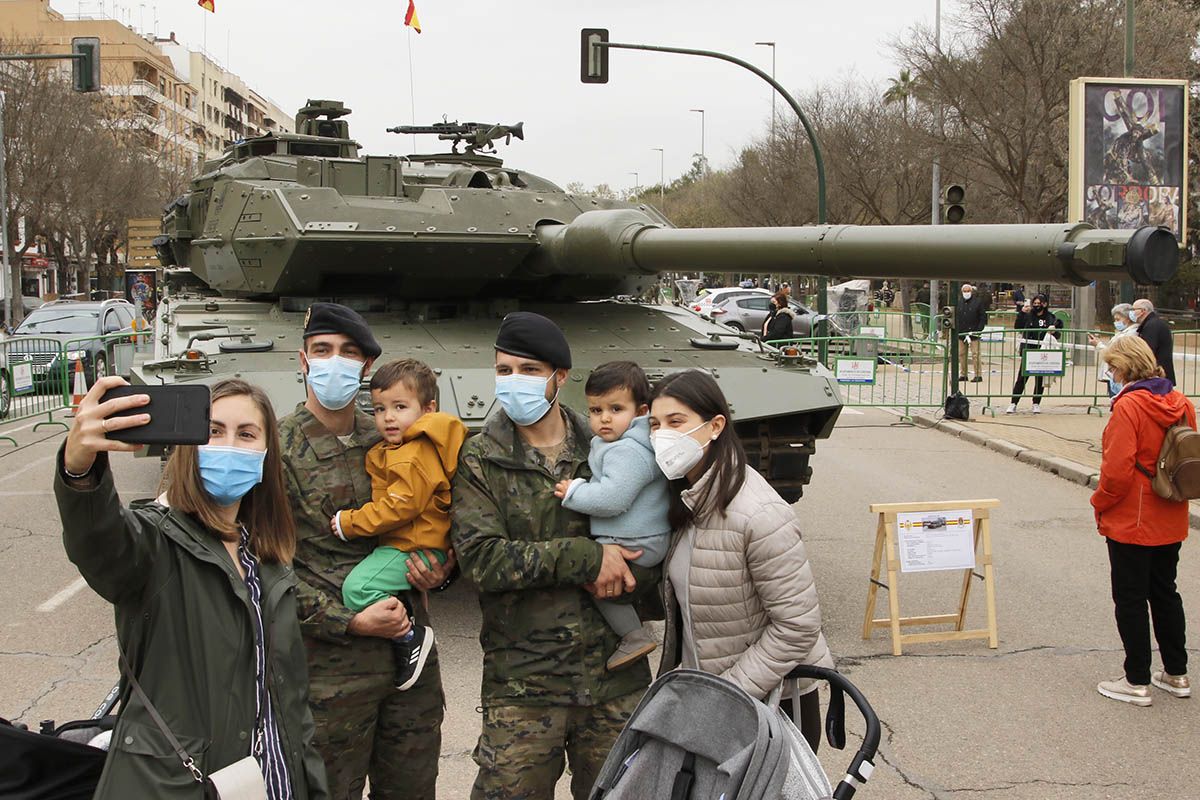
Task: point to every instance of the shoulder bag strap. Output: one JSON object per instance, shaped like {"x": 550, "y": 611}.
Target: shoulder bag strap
{"x": 182, "y": 754}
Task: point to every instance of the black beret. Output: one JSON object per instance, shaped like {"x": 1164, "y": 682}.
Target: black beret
{"x": 336, "y": 318}
{"x": 523, "y": 333}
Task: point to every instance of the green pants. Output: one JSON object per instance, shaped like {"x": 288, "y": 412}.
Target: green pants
{"x": 380, "y": 575}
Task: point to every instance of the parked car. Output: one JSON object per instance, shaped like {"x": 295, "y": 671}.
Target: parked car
{"x": 748, "y": 313}
{"x": 704, "y": 305}
{"x": 75, "y": 325}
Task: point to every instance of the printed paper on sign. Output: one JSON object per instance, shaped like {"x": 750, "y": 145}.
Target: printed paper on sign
{"x": 854, "y": 370}
{"x": 22, "y": 378}
{"x": 936, "y": 540}
{"x": 1044, "y": 362}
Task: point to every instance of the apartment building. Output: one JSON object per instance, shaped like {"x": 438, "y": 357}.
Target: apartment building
{"x": 133, "y": 71}
{"x": 229, "y": 109}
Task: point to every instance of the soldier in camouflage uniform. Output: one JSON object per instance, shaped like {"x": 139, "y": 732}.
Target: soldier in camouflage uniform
{"x": 545, "y": 691}
{"x": 363, "y": 724}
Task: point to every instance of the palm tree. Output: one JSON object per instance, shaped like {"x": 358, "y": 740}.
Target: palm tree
{"x": 901, "y": 90}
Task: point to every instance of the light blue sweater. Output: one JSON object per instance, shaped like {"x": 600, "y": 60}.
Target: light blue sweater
{"x": 627, "y": 495}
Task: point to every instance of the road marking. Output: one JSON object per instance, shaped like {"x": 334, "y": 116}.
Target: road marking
{"x": 7, "y": 431}
{"x": 31, "y": 465}
{"x": 63, "y": 596}
{"x": 854, "y": 411}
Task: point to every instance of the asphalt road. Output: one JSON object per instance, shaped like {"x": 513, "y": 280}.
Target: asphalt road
{"x": 1022, "y": 721}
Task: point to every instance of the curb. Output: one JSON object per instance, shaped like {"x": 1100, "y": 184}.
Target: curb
{"x": 1056, "y": 465}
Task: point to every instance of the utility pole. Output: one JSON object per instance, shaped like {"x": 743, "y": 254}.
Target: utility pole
{"x": 637, "y": 184}
{"x": 936, "y": 193}
{"x": 1126, "y": 288}
{"x": 703, "y": 159}
{"x": 662, "y": 181}
{"x": 772, "y": 46}
{"x": 6, "y": 292}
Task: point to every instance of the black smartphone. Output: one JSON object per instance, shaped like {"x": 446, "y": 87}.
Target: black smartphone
{"x": 179, "y": 414}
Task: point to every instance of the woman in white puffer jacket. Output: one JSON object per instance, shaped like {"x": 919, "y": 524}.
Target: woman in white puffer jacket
{"x": 739, "y": 592}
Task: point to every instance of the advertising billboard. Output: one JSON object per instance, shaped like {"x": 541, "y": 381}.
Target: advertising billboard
{"x": 1128, "y": 159}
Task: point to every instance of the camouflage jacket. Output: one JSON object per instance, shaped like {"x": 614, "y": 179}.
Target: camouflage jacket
{"x": 544, "y": 642}
{"x": 322, "y": 477}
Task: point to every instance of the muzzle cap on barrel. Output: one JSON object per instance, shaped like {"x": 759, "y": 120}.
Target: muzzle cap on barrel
{"x": 1152, "y": 255}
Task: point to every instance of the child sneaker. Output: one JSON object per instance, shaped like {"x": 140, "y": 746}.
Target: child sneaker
{"x": 409, "y": 655}
{"x": 1177, "y": 685}
{"x": 1121, "y": 689}
{"x": 1012, "y": 408}
{"x": 1037, "y": 409}
{"x": 633, "y": 646}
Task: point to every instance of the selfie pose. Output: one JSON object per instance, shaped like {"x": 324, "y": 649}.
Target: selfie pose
{"x": 205, "y": 600}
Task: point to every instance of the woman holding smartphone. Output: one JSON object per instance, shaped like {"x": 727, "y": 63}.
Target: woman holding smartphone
{"x": 205, "y": 602}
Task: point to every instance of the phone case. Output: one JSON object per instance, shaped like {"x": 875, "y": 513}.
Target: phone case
{"x": 179, "y": 414}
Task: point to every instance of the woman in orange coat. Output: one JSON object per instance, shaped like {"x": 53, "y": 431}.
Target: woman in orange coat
{"x": 1144, "y": 531}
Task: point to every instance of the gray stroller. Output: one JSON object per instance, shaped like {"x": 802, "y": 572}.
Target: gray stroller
{"x": 695, "y": 736}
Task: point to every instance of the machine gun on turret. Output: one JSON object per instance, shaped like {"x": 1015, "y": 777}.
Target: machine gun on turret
{"x": 478, "y": 136}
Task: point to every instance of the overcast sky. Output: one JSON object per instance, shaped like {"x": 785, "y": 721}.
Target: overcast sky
{"x": 518, "y": 60}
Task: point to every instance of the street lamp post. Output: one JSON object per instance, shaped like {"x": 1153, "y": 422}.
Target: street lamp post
{"x": 637, "y": 184}
{"x": 772, "y": 46}
{"x": 703, "y": 159}
{"x": 662, "y": 181}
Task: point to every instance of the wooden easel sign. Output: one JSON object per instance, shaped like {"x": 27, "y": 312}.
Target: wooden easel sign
{"x": 932, "y": 537}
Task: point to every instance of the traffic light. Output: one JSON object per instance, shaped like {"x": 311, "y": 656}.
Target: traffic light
{"x": 593, "y": 60}
{"x": 954, "y": 207}
{"x": 85, "y": 72}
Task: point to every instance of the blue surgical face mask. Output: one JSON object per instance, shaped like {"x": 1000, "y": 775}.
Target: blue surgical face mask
{"x": 1134, "y": 314}
{"x": 335, "y": 380}
{"x": 523, "y": 397}
{"x": 229, "y": 472}
{"x": 1119, "y": 325}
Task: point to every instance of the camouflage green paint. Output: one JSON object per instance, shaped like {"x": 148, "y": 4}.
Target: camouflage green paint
{"x": 520, "y": 751}
{"x": 363, "y": 725}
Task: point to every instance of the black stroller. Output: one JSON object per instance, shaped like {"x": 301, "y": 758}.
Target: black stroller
{"x": 56, "y": 763}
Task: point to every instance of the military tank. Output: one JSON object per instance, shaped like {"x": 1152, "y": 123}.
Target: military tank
{"x": 434, "y": 249}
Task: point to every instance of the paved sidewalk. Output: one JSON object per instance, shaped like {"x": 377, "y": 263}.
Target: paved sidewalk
{"x": 1064, "y": 439}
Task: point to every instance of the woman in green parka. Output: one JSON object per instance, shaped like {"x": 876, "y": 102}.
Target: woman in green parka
{"x": 205, "y": 599}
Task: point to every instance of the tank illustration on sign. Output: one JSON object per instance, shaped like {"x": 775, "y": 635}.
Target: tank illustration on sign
{"x": 434, "y": 249}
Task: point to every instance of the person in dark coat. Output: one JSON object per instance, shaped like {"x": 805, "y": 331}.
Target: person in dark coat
{"x": 205, "y": 599}
{"x": 1018, "y": 298}
{"x": 778, "y": 324}
{"x": 1155, "y": 332}
{"x": 970, "y": 320}
{"x": 1032, "y": 326}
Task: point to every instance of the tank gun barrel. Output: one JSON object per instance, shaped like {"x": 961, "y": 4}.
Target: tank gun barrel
{"x": 626, "y": 241}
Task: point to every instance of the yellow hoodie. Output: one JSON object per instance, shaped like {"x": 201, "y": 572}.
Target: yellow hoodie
{"x": 410, "y": 487}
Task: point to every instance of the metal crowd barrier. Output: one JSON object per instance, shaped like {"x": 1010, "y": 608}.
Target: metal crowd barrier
{"x": 37, "y": 373}
{"x": 880, "y": 371}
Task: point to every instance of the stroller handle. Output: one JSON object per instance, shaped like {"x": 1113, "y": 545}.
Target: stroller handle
{"x": 863, "y": 763}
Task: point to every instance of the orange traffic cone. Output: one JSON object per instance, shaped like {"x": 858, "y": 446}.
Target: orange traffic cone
{"x": 80, "y": 388}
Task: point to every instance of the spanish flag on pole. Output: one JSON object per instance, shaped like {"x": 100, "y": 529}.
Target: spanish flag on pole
{"x": 208, "y": 5}
{"x": 410, "y": 16}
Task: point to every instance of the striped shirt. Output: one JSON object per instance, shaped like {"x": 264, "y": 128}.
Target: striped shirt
{"x": 267, "y": 747}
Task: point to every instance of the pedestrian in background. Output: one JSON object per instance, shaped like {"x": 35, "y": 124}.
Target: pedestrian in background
{"x": 1156, "y": 333}
{"x": 1123, "y": 327}
{"x": 1018, "y": 299}
{"x": 740, "y": 595}
{"x": 1144, "y": 531}
{"x": 1032, "y": 327}
{"x": 778, "y": 324}
{"x": 204, "y": 594}
{"x": 970, "y": 319}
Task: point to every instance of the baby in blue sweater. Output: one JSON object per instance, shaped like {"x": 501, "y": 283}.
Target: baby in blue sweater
{"x": 627, "y": 494}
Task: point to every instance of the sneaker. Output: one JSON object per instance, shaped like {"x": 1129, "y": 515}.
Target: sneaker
{"x": 409, "y": 655}
{"x": 962, "y": 378}
{"x": 1177, "y": 685}
{"x": 1037, "y": 409}
{"x": 977, "y": 379}
{"x": 1121, "y": 689}
{"x": 633, "y": 646}
{"x": 1012, "y": 408}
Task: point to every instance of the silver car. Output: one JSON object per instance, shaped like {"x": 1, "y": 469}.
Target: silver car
{"x": 750, "y": 312}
